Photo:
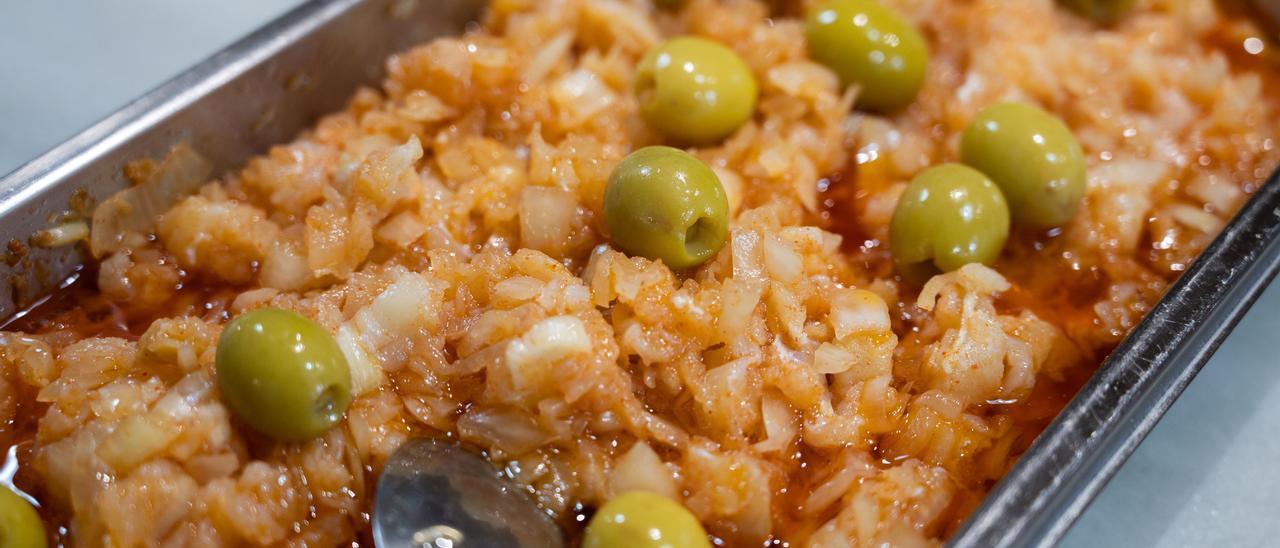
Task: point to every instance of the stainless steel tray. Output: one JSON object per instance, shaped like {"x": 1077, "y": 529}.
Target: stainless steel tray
{"x": 273, "y": 84}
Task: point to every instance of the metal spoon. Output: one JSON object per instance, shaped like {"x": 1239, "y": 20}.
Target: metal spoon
{"x": 435, "y": 494}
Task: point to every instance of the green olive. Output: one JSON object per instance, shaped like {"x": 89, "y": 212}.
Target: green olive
{"x": 644, "y": 520}
{"x": 664, "y": 204}
{"x": 1102, "y": 11}
{"x": 20, "y": 525}
{"x": 871, "y": 46}
{"x": 1032, "y": 157}
{"x": 695, "y": 91}
{"x": 950, "y": 215}
{"x": 282, "y": 374}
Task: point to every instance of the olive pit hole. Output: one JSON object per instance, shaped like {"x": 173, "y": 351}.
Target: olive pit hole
{"x": 699, "y": 237}
{"x": 920, "y": 272}
{"x": 327, "y": 402}
{"x": 646, "y": 87}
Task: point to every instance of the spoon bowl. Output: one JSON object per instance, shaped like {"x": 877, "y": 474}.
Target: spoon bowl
{"x": 435, "y": 494}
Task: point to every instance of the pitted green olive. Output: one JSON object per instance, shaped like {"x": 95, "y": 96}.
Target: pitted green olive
{"x": 869, "y": 45}
{"x": 695, "y": 91}
{"x": 950, "y": 215}
{"x": 644, "y": 520}
{"x": 282, "y": 374}
{"x": 20, "y": 524}
{"x": 662, "y": 203}
{"x": 1032, "y": 157}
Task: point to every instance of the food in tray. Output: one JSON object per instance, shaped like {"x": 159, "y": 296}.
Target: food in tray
{"x": 726, "y": 272}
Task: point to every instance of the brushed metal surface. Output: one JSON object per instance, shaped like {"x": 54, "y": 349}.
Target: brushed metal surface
{"x": 432, "y": 491}
{"x": 1066, "y": 467}
{"x": 260, "y": 91}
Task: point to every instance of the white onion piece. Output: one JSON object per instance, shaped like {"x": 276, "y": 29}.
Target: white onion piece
{"x": 780, "y": 425}
{"x": 514, "y": 433}
{"x": 136, "y": 210}
{"x": 640, "y": 469}
{"x": 548, "y": 341}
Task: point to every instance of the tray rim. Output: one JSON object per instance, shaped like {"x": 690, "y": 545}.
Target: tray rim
{"x": 1053, "y": 482}
{"x": 170, "y": 97}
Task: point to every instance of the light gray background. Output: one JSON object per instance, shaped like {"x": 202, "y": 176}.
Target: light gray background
{"x": 1207, "y": 475}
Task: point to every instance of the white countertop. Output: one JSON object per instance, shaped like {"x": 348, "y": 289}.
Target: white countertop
{"x": 1209, "y": 475}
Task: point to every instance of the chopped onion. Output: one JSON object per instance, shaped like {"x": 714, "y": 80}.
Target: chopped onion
{"x": 830, "y": 359}
{"x": 180, "y": 402}
{"x": 581, "y": 95}
{"x": 31, "y": 358}
{"x": 402, "y": 229}
{"x": 387, "y": 176}
{"x": 627, "y": 278}
{"x": 810, "y": 238}
{"x": 974, "y": 277}
{"x": 641, "y": 469}
{"x": 487, "y": 357}
{"x": 1020, "y": 368}
{"x": 857, "y": 310}
{"x": 739, "y": 300}
{"x": 137, "y": 209}
{"x": 1120, "y": 198}
{"x": 1216, "y": 191}
{"x": 512, "y": 432}
{"x": 546, "y": 58}
{"x": 366, "y": 374}
{"x": 409, "y": 304}
{"x": 518, "y": 289}
{"x": 781, "y": 260}
{"x": 733, "y": 187}
{"x": 780, "y": 425}
{"x": 285, "y": 265}
{"x": 135, "y": 440}
{"x": 789, "y": 311}
{"x": 547, "y": 216}
{"x": 848, "y": 469}
{"x": 804, "y": 180}
{"x": 745, "y": 246}
{"x": 63, "y": 234}
{"x": 424, "y": 107}
{"x": 804, "y": 79}
{"x": 253, "y": 298}
{"x": 622, "y": 24}
{"x": 777, "y": 159}
{"x": 946, "y": 405}
{"x": 1195, "y": 218}
{"x": 979, "y": 278}
{"x": 637, "y": 338}
{"x": 548, "y": 341}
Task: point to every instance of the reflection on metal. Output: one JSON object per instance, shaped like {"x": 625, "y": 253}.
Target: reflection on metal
{"x": 439, "y": 536}
{"x": 1066, "y": 467}
{"x": 435, "y": 494}
{"x": 260, "y": 91}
